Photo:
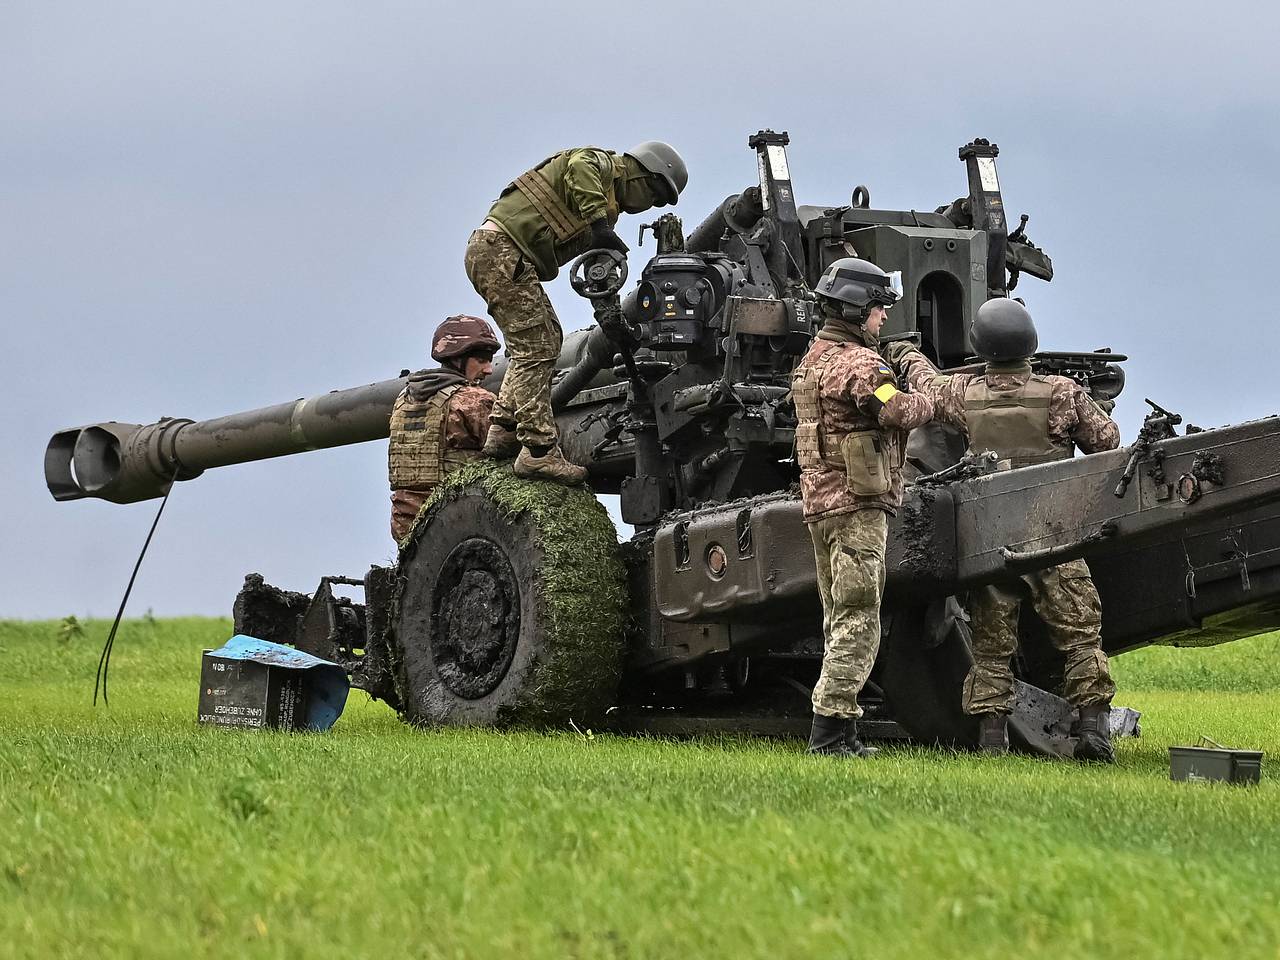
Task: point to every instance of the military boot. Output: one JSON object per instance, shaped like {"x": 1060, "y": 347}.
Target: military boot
{"x": 550, "y": 466}
{"x": 858, "y": 748}
{"x": 837, "y": 737}
{"x": 993, "y": 734}
{"x": 1095, "y": 734}
{"x": 500, "y": 443}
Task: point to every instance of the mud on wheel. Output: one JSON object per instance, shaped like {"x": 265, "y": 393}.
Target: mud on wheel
{"x": 510, "y": 605}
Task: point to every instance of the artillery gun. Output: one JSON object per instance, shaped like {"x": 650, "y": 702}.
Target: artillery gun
{"x": 677, "y": 401}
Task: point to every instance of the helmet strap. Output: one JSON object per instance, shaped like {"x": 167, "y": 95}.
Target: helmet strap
{"x": 846, "y": 312}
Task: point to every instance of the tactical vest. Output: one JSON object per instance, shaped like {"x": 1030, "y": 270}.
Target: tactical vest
{"x": 1013, "y": 422}
{"x": 866, "y": 455}
{"x": 541, "y": 193}
{"x": 416, "y": 457}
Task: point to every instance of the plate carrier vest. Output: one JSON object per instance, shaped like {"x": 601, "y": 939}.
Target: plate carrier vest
{"x": 1013, "y": 422}
{"x": 417, "y": 458}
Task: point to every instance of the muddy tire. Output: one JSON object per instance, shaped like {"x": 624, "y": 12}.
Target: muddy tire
{"x": 510, "y": 605}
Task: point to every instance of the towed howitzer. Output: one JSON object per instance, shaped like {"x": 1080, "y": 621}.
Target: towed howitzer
{"x": 677, "y": 402}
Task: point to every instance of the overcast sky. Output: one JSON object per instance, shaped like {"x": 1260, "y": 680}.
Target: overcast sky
{"x": 206, "y": 208}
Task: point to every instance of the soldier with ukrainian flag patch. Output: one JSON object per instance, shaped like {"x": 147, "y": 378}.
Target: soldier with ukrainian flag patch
{"x": 850, "y": 446}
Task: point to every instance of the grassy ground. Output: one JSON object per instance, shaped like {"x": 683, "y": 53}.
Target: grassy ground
{"x": 129, "y": 831}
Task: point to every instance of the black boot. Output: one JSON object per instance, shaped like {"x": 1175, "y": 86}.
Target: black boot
{"x": 993, "y": 734}
{"x": 856, "y": 746}
{"x": 837, "y": 737}
{"x": 1095, "y": 734}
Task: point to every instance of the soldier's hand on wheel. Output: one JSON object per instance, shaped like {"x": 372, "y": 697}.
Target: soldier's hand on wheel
{"x": 603, "y": 236}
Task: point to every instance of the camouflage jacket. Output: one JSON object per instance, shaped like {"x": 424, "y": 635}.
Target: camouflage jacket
{"x": 582, "y": 183}
{"x": 463, "y": 431}
{"x": 856, "y": 392}
{"x": 1073, "y": 416}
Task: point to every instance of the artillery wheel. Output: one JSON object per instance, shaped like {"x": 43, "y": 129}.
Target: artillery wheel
{"x": 510, "y": 604}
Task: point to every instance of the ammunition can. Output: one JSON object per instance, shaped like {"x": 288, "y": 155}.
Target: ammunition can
{"x": 1215, "y": 763}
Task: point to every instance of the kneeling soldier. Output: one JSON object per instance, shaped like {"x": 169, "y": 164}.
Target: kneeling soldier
{"x": 1025, "y": 419}
{"x": 440, "y": 420}
{"x": 850, "y": 441}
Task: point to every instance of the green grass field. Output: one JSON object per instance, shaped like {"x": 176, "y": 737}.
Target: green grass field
{"x": 131, "y": 832}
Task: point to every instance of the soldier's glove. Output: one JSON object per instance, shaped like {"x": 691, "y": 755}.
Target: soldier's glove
{"x": 608, "y": 314}
{"x": 1106, "y": 405}
{"x": 897, "y": 351}
{"x": 603, "y": 236}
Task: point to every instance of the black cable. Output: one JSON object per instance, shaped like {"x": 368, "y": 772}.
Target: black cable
{"x": 104, "y": 661}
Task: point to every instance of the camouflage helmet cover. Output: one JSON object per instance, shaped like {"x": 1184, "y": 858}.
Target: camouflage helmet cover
{"x": 462, "y": 334}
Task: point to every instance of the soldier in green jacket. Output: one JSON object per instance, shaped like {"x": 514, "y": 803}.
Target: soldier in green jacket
{"x": 563, "y": 207}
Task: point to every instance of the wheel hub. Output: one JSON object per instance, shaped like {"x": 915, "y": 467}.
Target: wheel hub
{"x": 475, "y": 623}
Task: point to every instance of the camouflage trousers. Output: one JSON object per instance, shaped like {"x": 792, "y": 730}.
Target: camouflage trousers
{"x": 520, "y": 307}
{"x": 1065, "y": 598}
{"x": 849, "y": 549}
{"x": 405, "y": 505}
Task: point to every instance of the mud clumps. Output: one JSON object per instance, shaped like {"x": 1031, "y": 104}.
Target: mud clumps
{"x": 564, "y": 551}
{"x": 916, "y": 531}
{"x": 267, "y": 612}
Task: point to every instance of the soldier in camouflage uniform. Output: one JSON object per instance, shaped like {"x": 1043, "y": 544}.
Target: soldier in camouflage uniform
{"x": 441, "y": 418}
{"x": 850, "y": 440}
{"x": 565, "y": 206}
{"x": 1025, "y": 419}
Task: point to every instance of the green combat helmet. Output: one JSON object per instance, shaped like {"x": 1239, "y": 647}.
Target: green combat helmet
{"x": 662, "y": 160}
{"x": 1003, "y": 331}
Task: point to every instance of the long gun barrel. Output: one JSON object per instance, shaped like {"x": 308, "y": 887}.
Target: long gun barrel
{"x": 128, "y": 462}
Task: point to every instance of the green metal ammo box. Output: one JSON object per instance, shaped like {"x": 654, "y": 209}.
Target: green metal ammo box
{"x": 1214, "y": 762}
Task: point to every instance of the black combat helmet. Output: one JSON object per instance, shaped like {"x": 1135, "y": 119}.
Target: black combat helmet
{"x": 662, "y": 160}
{"x": 1003, "y": 331}
{"x": 857, "y": 283}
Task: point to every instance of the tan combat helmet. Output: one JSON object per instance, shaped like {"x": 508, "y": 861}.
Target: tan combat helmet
{"x": 462, "y": 334}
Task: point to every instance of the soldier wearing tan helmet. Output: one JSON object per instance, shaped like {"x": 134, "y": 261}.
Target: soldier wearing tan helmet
{"x": 441, "y": 418}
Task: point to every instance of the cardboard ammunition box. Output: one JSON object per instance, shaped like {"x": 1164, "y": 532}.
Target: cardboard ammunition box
{"x": 246, "y": 693}
{"x": 1215, "y": 763}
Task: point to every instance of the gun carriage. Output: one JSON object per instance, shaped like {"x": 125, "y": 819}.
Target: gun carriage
{"x": 677, "y": 401}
